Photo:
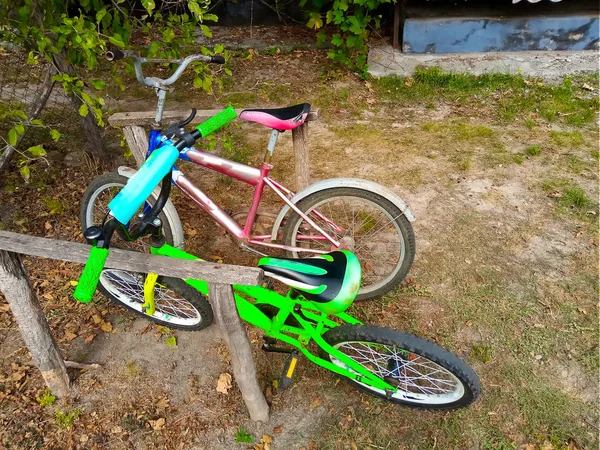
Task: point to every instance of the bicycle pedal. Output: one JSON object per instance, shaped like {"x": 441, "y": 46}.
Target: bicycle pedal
{"x": 288, "y": 370}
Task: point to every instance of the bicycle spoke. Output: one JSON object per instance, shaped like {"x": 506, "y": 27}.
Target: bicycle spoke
{"x": 417, "y": 375}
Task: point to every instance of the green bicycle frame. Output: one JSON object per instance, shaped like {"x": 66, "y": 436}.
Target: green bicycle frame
{"x": 312, "y": 329}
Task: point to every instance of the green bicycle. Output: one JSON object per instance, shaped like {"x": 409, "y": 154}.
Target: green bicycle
{"x": 386, "y": 363}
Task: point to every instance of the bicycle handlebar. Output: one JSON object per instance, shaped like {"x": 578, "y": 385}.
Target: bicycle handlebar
{"x": 115, "y": 55}
{"x": 91, "y": 275}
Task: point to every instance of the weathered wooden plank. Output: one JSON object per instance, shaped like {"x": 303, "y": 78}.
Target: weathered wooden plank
{"x": 234, "y": 334}
{"x": 29, "y": 315}
{"x": 146, "y": 118}
{"x": 130, "y": 260}
{"x": 137, "y": 140}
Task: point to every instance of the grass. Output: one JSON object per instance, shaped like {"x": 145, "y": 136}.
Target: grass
{"x": 533, "y": 150}
{"x": 65, "y": 419}
{"x": 567, "y": 138}
{"x": 240, "y": 99}
{"x": 481, "y": 352}
{"x": 46, "y": 399}
{"x": 568, "y": 194}
{"x": 512, "y": 95}
{"x": 242, "y": 436}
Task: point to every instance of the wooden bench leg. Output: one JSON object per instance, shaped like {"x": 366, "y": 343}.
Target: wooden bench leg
{"x": 300, "y": 141}
{"x": 234, "y": 333}
{"x": 137, "y": 140}
{"x": 14, "y": 284}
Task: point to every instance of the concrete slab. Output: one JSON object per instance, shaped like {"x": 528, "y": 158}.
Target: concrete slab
{"x": 550, "y": 65}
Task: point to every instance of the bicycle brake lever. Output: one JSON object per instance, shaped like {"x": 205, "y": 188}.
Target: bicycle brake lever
{"x": 176, "y": 129}
{"x": 189, "y": 119}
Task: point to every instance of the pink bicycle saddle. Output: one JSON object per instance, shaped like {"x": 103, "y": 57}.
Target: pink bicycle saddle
{"x": 279, "y": 118}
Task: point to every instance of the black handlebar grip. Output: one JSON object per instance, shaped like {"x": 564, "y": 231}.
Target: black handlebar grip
{"x": 114, "y": 55}
{"x": 217, "y": 59}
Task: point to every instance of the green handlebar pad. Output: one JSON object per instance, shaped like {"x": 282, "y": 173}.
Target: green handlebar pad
{"x": 91, "y": 274}
{"x": 217, "y": 121}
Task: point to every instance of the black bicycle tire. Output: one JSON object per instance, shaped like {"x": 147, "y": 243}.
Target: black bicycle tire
{"x": 369, "y": 333}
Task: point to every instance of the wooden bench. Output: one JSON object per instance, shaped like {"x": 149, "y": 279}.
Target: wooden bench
{"x": 137, "y": 138}
{"x": 16, "y": 287}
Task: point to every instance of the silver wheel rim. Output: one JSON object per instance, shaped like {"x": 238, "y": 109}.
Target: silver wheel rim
{"x": 128, "y": 288}
{"x": 438, "y": 386}
{"x": 361, "y": 248}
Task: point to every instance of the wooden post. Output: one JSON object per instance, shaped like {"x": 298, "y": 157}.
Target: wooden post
{"x": 14, "y": 284}
{"x": 137, "y": 140}
{"x": 395, "y": 40}
{"x": 300, "y": 140}
{"x": 244, "y": 370}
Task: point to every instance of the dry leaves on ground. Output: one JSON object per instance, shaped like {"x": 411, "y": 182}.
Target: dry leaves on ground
{"x": 224, "y": 383}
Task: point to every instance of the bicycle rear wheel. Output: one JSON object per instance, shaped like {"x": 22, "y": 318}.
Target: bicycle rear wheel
{"x": 426, "y": 375}
{"x": 369, "y": 225}
{"x": 177, "y": 304}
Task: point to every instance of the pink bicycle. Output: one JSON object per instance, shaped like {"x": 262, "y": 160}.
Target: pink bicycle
{"x": 340, "y": 213}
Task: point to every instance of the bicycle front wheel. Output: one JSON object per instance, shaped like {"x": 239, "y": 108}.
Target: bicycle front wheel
{"x": 424, "y": 374}
{"x": 177, "y": 304}
{"x": 365, "y": 223}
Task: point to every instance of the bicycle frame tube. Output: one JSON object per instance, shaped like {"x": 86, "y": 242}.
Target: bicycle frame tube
{"x": 311, "y": 329}
{"x": 249, "y": 175}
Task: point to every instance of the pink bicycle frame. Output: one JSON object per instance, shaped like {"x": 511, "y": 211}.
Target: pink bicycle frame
{"x": 252, "y": 176}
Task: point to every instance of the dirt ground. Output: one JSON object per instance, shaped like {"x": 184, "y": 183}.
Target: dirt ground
{"x": 505, "y": 276}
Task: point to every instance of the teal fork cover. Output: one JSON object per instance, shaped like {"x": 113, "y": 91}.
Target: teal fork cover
{"x": 140, "y": 186}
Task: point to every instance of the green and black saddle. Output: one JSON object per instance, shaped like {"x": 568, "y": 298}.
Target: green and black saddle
{"x": 331, "y": 280}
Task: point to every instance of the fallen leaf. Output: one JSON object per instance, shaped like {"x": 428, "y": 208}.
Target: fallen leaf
{"x": 277, "y": 429}
{"x": 587, "y": 87}
{"x": 70, "y": 336}
{"x": 73, "y": 282}
{"x": 163, "y": 403}
{"x": 469, "y": 323}
{"x": 158, "y": 424}
{"x": 106, "y": 327}
{"x": 171, "y": 342}
{"x": 224, "y": 383}
{"x": 4, "y": 308}
{"x": 90, "y": 338}
{"x": 48, "y": 226}
{"x": 266, "y": 440}
{"x": 409, "y": 82}
{"x": 316, "y": 402}
{"x": 353, "y": 445}
{"x": 97, "y": 319}
{"x": 574, "y": 445}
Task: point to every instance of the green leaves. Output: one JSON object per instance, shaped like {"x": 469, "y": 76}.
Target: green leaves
{"x": 83, "y": 110}
{"x": 171, "y": 342}
{"x": 117, "y": 40}
{"x": 98, "y": 84}
{"x": 24, "y": 172}
{"x": 55, "y": 135}
{"x": 12, "y": 137}
{"x": 36, "y": 151}
{"x": 314, "y": 20}
{"x": 353, "y": 19}
{"x": 148, "y": 5}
